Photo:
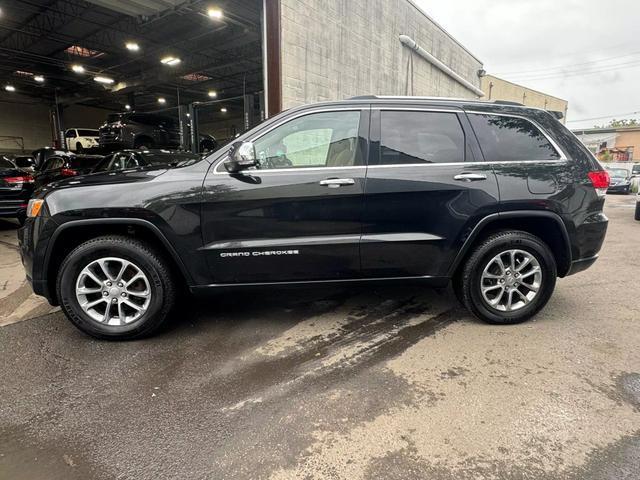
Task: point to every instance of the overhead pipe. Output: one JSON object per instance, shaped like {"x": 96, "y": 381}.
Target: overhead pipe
{"x": 411, "y": 43}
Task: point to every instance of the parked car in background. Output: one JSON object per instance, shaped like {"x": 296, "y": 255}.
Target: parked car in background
{"x": 620, "y": 180}
{"x": 127, "y": 159}
{"x": 500, "y": 200}
{"x": 81, "y": 139}
{"x": 63, "y": 166}
{"x": 41, "y": 155}
{"x": 16, "y": 187}
{"x": 139, "y": 130}
{"x": 24, "y": 162}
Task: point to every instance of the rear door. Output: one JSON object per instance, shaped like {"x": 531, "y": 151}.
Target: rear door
{"x": 426, "y": 189}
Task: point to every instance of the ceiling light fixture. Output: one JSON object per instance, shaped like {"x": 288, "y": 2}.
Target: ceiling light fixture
{"x": 223, "y": 109}
{"x": 77, "y": 68}
{"x": 213, "y": 94}
{"x": 127, "y": 107}
{"x": 214, "y": 13}
{"x": 39, "y": 78}
{"x": 162, "y": 100}
{"x": 105, "y": 80}
{"x": 132, "y": 46}
{"x": 171, "y": 61}
{"x": 10, "y": 88}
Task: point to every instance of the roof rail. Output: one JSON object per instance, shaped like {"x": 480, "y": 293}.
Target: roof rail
{"x": 508, "y": 102}
{"x": 443, "y": 99}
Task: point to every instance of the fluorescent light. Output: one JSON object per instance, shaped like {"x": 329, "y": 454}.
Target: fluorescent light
{"x": 162, "y": 100}
{"x": 10, "y": 88}
{"x": 213, "y": 93}
{"x": 171, "y": 61}
{"x": 77, "y": 68}
{"x": 106, "y": 80}
{"x": 39, "y": 78}
{"x": 133, "y": 46}
{"x": 127, "y": 107}
{"x": 214, "y": 13}
{"x": 223, "y": 109}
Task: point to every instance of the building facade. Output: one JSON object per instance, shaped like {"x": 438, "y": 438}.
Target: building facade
{"x": 335, "y": 49}
{"x": 620, "y": 144}
{"x": 498, "y": 89}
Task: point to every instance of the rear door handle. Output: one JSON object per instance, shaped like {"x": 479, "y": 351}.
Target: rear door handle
{"x": 337, "y": 182}
{"x": 469, "y": 177}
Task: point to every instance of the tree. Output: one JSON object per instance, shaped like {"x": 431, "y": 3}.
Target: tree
{"x": 621, "y": 123}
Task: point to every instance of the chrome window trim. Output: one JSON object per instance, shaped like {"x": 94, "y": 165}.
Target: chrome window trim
{"x": 304, "y": 113}
{"x": 563, "y": 156}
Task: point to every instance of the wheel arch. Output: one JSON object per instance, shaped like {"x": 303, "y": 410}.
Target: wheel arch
{"x": 73, "y": 233}
{"x": 547, "y": 226}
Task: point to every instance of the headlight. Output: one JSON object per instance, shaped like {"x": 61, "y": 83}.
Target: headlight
{"x": 34, "y": 207}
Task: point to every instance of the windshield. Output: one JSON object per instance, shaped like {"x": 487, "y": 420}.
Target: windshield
{"x": 88, "y": 133}
{"x": 618, "y": 172}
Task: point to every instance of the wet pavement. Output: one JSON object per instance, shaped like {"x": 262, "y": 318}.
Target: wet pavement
{"x": 359, "y": 383}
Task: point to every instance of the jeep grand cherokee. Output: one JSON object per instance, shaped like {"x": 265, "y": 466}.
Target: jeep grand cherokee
{"x": 499, "y": 199}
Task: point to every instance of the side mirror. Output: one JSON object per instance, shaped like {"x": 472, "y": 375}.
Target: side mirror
{"x": 241, "y": 157}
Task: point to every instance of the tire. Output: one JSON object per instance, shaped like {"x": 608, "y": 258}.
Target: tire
{"x": 152, "y": 312}
{"x": 79, "y": 148}
{"x": 483, "y": 257}
{"x": 637, "y": 215}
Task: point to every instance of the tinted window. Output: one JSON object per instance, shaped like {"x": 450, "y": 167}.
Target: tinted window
{"x": 70, "y": 134}
{"x": 54, "y": 163}
{"x": 420, "y": 137}
{"x": 326, "y": 139}
{"x": 24, "y": 162}
{"x": 511, "y": 138}
{"x": 88, "y": 133}
{"x": 5, "y": 164}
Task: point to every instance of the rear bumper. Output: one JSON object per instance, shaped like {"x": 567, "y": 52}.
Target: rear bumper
{"x": 625, "y": 187}
{"x": 582, "y": 264}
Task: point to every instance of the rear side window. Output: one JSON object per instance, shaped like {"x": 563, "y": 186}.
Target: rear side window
{"x": 504, "y": 139}
{"x": 84, "y": 162}
{"x": 420, "y": 137}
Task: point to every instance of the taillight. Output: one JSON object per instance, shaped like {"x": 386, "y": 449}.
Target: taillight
{"x": 20, "y": 179}
{"x": 68, "y": 172}
{"x": 600, "y": 181}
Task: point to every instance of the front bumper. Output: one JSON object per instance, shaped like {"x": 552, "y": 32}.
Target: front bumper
{"x": 620, "y": 187}
{"x": 13, "y": 208}
{"x": 33, "y": 239}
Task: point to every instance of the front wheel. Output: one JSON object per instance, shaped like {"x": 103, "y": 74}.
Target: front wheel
{"x": 115, "y": 287}
{"x": 508, "y": 278}
{"x": 637, "y": 216}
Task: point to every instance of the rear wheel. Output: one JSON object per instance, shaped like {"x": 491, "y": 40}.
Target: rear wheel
{"x": 637, "y": 216}
{"x": 116, "y": 288}
{"x": 508, "y": 278}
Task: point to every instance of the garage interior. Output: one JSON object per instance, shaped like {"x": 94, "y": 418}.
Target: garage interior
{"x": 70, "y": 63}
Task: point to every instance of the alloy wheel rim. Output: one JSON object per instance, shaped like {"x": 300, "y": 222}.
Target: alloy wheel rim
{"x": 511, "y": 280}
{"x": 113, "y": 291}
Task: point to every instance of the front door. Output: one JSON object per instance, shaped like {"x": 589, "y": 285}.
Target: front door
{"x": 297, "y": 216}
{"x": 426, "y": 188}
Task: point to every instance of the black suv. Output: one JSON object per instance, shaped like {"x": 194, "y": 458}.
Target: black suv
{"x": 500, "y": 199}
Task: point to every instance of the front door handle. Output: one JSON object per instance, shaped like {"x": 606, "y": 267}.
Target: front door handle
{"x": 469, "y": 177}
{"x": 337, "y": 182}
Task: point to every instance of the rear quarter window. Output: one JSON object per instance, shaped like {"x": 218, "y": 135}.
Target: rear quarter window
{"x": 504, "y": 139}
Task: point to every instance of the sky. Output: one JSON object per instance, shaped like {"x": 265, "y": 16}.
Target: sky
{"x": 585, "y": 51}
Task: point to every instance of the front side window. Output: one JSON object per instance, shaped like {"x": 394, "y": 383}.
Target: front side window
{"x": 408, "y": 137}
{"x": 504, "y": 139}
{"x": 323, "y": 139}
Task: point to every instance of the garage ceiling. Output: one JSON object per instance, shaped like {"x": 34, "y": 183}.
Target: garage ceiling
{"x": 48, "y": 37}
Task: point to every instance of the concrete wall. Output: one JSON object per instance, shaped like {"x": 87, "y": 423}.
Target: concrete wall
{"x": 498, "y": 89}
{"x": 334, "y": 49}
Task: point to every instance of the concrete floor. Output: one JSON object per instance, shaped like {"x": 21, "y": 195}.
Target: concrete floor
{"x": 364, "y": 383}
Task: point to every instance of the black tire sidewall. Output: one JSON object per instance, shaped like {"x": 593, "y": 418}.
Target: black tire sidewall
{"x": 89, "y": 252}
{"x": 488, "y": 251}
